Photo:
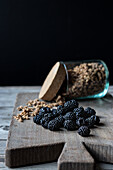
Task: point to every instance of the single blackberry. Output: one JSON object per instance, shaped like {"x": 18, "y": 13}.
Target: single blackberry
{"x": 90, "y": 121}
{"x": 60, "y": 119}
{"x": 54, "y": 111}
{"x": 69, "y": 116}
{"x": 70, "y": 105}
{"x": 79, "y": 112}
{"x": 37, "y": 119}
{"x": 34, "y": 119}
{"x": 89, "y": 112}
{"x": 44, "y": 122}
{"x": 45, "y": 125}
{"x": 80, "y": 121}
{"x": 49, "y": 115}
{"x": 69, "y": 124}
{"x": 44, "y": 119}
{"x": 60, "y": 110}
{"x": 59, "y": 107}
{"x": 41, "y": 113}
{"x": 84, "y": 131}
{"x": 53, "y": 125}
{"x": 45, "y": 110}
{"x": 97, "y": 119}
{"x": 48, "y": 110}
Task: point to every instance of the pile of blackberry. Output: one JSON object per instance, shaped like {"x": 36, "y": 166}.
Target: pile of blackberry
{"x": 70, "y": 116}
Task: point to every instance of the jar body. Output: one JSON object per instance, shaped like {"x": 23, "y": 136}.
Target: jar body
{"x": 86, "y": 79}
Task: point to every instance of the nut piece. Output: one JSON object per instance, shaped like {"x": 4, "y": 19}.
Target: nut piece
{"x": 20, "y": 108}
{"x": 20, "y": 120}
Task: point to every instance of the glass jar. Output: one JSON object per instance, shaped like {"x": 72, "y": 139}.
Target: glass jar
{"x": 85, "y": 79}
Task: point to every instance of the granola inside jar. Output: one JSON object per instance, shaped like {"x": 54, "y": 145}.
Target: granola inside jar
{"x": 86, "y": 79}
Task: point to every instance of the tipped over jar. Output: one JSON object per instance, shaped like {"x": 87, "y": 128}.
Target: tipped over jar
{"x": 76, "y": 80}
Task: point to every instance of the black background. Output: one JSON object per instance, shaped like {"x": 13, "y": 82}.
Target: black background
{"x": 34, "y": 34}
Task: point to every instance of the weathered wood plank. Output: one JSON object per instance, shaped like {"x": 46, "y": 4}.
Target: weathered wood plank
{"x": 6, "y": 112}
{"x": 8, "y": 96}
{"x": 19, "y": 89}
{"x": 104, "y": 166}
{"x": 2, "y": 147}
{"x": 3, "y": 134}
{"x": 7, "y": 100}
{"x": 53, "y": 166}
{"x": 48, "y": 166}
{"x": 5, "y": 122}
{"x": 2, "y": 158}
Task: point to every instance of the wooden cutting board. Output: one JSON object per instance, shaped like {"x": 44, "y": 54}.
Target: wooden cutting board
{"x": 29, "y": 143}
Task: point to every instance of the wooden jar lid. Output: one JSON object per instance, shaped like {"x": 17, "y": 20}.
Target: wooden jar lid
{"x": 53, "y": 82}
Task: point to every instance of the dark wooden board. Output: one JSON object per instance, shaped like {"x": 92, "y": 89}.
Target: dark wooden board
{"x": 29, "y": 143}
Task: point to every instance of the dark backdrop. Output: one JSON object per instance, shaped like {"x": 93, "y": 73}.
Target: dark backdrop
{"x": 34, "y": 34}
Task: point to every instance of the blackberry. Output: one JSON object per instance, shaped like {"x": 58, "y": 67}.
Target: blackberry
{"x": 44, "y": 119}
{"x": 49, "y": 115}
{"x": 60, "y": 119}
{"x": 59, "y": 107}
{"x": 34, "y": 119}
{"x": 60, "y": 110}
{"x": 90, "y": 121}
{"x": 84, "y": 131}
{"x": 69, "y": 116}
{"x": 54, "y": 111}
{"x": 45, "y": 110}
{"x": 48, "y": 110}
{"x": 69, "y": 124}
{"x": 79, "y": 112}
{"x": 44, "y": 122}
{"x": 37, "y": 119}
{"x": 41, "y": 113}
{"x": 70, "y": 105}
{"x": 89, "y": 112}
{"x": 80, "y": 121}
{"x": 53, "y": 125}
{"x": 45, "y": 125}
{"x": 97, "y": 119}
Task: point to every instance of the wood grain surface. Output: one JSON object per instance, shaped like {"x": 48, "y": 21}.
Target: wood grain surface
{"x": 29, "y": 143}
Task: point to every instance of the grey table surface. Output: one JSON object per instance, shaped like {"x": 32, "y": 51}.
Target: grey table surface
{"x": 7, "y": 101}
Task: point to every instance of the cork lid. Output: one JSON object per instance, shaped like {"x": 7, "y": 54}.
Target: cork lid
{"x": 53, "y": 82}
